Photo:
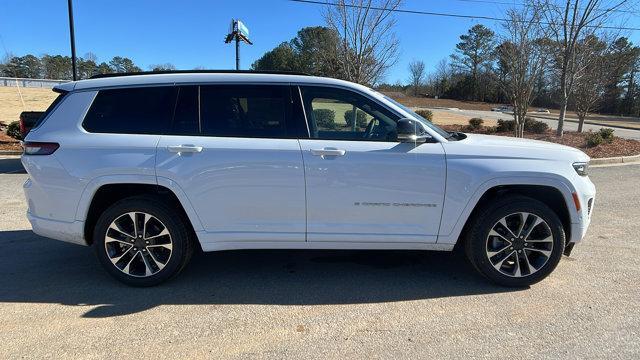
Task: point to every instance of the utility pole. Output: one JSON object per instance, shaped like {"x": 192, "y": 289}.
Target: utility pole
{"x": 237, "y": 53}
{"x": 73, "y": 40}
{"x": 238, "y": 32}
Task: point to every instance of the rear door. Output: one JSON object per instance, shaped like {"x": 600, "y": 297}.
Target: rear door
{"x": 233, "y": 150}
{"x": 363, "y": 185}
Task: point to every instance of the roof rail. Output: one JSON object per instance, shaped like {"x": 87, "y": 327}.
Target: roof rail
{"x": 99, "y": 76}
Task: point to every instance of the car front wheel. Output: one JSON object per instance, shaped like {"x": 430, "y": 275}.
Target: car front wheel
{"x": 141, "y": 241}
{"x": 516, "y": 241}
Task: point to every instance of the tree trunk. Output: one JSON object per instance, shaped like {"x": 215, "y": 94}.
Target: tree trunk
{"x": 565, "y": 98}
{"x": 580, "y": 122}
{"x": 354, "y": 118}
{"x": 563, "y": 111}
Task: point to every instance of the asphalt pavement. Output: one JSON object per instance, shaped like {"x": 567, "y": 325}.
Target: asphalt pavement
{"x": 56, "y": 301}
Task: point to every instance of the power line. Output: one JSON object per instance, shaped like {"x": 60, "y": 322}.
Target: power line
{"x": 514, "y": 3}
{"x": 431, "y": 13}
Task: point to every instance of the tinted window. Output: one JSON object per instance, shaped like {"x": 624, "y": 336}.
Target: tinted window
{"x": 337, "y": 114}
{"x": 145, "y": 110}
{"x": 244, "y": 110}
{"x": 185, "y": 113}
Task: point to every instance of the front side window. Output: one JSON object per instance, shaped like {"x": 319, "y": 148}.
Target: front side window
{"x": 338, "y": 114}
{"x": 257, "y": 111}
{"x": 145, "y": 110}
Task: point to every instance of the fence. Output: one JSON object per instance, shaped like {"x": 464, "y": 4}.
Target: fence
{"x": 31, "y": 83}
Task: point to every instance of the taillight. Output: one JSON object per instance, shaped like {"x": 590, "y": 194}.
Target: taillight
{"x": 39, "y": 148}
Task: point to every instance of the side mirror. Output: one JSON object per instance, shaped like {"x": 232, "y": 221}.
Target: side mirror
{"x": 410, "y": 130}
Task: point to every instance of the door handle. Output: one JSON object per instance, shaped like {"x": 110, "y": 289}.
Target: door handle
{"x": 328, "y": 152}
{"x": 184, "y": 149}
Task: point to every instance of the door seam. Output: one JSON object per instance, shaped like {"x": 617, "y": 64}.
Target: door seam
{"x": 306, "y": 210}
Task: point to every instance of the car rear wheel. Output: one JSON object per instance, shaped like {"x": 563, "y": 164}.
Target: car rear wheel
{"x": 516, "y": 241}
{"x": 142, "y": 242}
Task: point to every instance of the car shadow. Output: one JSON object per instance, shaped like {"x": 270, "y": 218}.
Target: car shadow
{"x": 11, "y": 166}
{"x": 38, "y": 270}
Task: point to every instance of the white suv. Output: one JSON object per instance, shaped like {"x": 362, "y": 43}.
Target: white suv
{"x": 147, "y": 168}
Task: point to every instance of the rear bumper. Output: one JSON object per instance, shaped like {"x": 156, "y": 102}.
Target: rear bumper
{"x": 72, "y": 232}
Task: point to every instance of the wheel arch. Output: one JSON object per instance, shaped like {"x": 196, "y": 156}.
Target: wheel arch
{"x": 550, "y": 196}
{"x": 555, "y": 193}
{"x": 105, "y": 194}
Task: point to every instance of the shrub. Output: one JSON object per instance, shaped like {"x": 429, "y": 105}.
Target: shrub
{"x": 361, "y": 118}
{"x": 325, "y": 118}
{"x": 535, "y": 126}
{"x": 13, "y": 130}
{"x": 475, "y": 123}
{"x": 491, "y": 129}
{"x": 506, "y": 125}
{"x": 594, "y": 139}
{"x": 427, "y": 114}
{"x": 606, "y": 134}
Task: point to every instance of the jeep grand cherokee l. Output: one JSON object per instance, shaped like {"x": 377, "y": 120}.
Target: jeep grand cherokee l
{"x": 146, "y": 168}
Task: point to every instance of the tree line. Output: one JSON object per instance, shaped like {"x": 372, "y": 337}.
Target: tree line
{"x": 58, "y": 67}
{"x": 560, "y": 54}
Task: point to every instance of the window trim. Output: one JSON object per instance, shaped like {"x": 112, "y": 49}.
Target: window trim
{"x": 304, "y": 112}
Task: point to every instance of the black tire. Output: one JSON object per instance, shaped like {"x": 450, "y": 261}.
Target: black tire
{"x": 476, "y": 241}
{"x": 175, "y": 224}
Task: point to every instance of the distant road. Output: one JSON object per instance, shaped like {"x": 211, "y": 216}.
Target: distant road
{"x": 553, "y": 124}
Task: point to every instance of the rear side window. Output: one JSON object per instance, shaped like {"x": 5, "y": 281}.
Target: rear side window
{"x": 146, "y": 110}
{"x": 245, "y": 111}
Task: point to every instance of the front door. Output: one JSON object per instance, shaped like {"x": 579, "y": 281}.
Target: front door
{"x": 362, "y": 184}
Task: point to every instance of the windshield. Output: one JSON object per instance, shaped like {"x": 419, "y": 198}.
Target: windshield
{"x": 426, "y": 122}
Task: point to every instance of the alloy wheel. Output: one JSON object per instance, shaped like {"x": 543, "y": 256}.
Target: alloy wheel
{"x": 519, "y": 244}
{"x": 138, "y": 244}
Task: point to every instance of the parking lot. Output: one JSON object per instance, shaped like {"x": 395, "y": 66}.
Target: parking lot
{"x": 56, "y": 301}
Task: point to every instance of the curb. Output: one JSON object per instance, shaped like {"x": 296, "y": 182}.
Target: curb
{"x": 615, "y": 160}
{"x": 10, "y": 152}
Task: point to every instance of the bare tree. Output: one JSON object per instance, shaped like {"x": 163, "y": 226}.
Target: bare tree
{"x": 368, "y": 45}
{"x": 520, "y": 60}
{"x": 590, "y": 85}
{"x": 442, "y": 77}
{"x": 568, "y": 22}
{"x": 416, "y": 74}
{"x": 162, "y": 67}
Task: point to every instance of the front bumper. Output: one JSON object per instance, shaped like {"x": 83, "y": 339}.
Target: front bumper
{"x": 586, "y": 195}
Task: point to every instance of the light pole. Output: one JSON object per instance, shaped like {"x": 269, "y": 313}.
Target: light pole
{"x": 73, "y": 40}
{"x": 238, "y": 32}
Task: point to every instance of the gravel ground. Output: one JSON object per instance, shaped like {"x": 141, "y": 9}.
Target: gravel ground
{"x": 56, "y": 302}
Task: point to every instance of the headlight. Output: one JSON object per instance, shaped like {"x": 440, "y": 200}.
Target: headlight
{"x": 582, "y": 168}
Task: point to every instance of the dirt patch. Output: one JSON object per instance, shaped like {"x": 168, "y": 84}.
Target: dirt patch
{"x": 618, "y": 147}
{"x": 35, "y": 99}
{"x": 9, "y": 143}
{"x": 443, "y": 118}
{"x": 443, "y": 103}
